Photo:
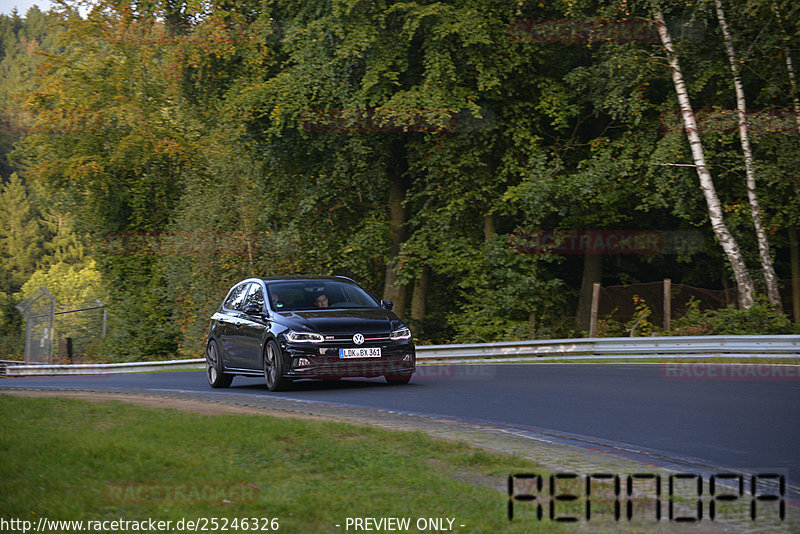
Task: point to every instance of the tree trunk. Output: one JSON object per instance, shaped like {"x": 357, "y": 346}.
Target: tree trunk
{"x": 489, "y": 227}
{"x": 794, "y": 246}
{"x": 744, "y": 284}
{"x": 420, "y": 297}
{"x": 770, "y": 278}
{"x": 592, "y": 272}
{"x": 726, "y": 288}
{"x": 794, "y": 254}
{"x": 397, "y": 235}
{"x": 793, "y": 86}
{"x": 790, "y": 71}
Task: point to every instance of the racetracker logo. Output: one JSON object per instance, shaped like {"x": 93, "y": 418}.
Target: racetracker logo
{"x": 180, "y": 243}
{"x": 191, "y": 493}
{"x": 588, "y": 242}
{"x": 466, "y": 372}
{"x": 378, "y": 120}
{"x": 729, "y": 371}
{"x": 583, "y": 31}
{"x": 726, "y": 121}
{"x": 605, "y": 242}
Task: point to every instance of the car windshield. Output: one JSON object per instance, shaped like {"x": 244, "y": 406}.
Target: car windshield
{"x": 318, "y": 294}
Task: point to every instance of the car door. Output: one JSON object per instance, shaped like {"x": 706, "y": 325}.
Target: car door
{"x": 252, "y": 329}
{"x": 229, "y": 323}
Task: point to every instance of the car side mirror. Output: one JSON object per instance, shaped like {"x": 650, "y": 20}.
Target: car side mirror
{"x": 387, "y": 305}
{"x": 252, "y": 309}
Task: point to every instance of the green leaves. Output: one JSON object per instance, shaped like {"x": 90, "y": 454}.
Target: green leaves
{"x": 21, "y": 235}
{"x": 384, "y": 140}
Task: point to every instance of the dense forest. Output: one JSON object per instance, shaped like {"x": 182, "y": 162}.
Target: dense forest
{"x": 454, "y": 157}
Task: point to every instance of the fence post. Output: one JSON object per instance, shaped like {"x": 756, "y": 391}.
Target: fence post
{"x": 595, "y": 304}
{"x": 52, "y": 322}
{"x": 667, "y": 303}
{"x": 65, "y": 350}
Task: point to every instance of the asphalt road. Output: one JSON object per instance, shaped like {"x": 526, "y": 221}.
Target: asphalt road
{"x": 744, "y": 422}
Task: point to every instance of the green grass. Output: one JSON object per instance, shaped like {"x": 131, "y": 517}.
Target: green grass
{"x": 59, "y": 457}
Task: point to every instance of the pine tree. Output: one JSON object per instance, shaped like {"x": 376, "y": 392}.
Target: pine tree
{"x": 20, "y": 235}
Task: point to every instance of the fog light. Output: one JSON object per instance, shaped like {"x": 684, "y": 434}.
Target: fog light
{"x": 302, "y": 362}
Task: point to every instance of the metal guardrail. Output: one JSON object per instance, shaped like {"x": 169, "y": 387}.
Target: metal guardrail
{"x": 6, "y": 363}
{"x": 548, "y": 349}
{"x": 618, "y": 346}
{"x": 102, "y": 368}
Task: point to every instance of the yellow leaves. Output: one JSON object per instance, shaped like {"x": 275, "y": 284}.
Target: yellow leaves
{"x": 736, "y": 207}
{"x": 275, "y": 114}
{"x": 168, "y": 146}
{"x": 81, "y": 168}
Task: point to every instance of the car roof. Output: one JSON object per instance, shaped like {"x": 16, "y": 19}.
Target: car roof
{"x": 290, "y": 278}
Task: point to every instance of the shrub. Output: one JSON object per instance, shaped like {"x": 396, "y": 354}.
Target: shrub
{"x": 761, "y": 318}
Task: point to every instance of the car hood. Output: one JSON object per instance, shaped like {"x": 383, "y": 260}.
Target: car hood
{"x": 341, "y": 321}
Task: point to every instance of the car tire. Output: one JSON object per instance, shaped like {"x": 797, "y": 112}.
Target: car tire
{"x": 215, "y": 372}
{"x": 273, "y": 368}
{"x": 398, "y": 380}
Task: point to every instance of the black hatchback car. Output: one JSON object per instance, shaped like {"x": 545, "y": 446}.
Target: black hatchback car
{"x": 306, "y": 327}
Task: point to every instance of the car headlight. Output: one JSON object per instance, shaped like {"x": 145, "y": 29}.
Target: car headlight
{"x": 304, "y": 337}
{"x": 400, "y": 333}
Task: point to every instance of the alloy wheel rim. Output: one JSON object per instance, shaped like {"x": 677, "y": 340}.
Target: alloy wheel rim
{"x": 211, "y": 363}
{"x": 269, "y": 366}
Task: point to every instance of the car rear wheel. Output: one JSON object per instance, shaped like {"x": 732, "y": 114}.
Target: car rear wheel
{"x": 273, "y": 368}
{"x": 214, "y": 370}
{"x": 398, "y": 380}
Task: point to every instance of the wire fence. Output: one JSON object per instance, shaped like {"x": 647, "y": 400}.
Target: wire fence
{"x": 624, "y": 303}
{"x": 80, "y": 330}
{"x": 61, "y": 336}
{"x": 39, "y": 312}
{"x": 74, "y": 335}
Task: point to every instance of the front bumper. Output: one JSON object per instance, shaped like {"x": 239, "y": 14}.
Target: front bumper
{"x": 305, "y": 360}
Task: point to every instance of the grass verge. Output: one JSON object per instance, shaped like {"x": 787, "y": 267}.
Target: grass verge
{"x": 66, "y": 459}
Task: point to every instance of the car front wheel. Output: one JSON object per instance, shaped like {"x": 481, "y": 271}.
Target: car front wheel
{"x": 214, "y": 370}
{"x": 273, "y": 368}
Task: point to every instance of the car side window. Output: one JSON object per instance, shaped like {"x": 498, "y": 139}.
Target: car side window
{"x": 255, "y": 296}
{"x": 235, "y": 300}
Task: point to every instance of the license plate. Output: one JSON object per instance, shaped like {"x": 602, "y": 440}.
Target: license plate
{"x": 360, "y": 353}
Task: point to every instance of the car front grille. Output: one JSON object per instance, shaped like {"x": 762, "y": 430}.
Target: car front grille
{"x": 345, "y": 339}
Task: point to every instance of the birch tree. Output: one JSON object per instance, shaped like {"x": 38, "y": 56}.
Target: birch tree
{"x": 789, "y": 69}
{"x": 793, "y": 87}
{"x": 728, "y": 243}
{"x": 770, "y": 278}
{"x": 793, "y": 239}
